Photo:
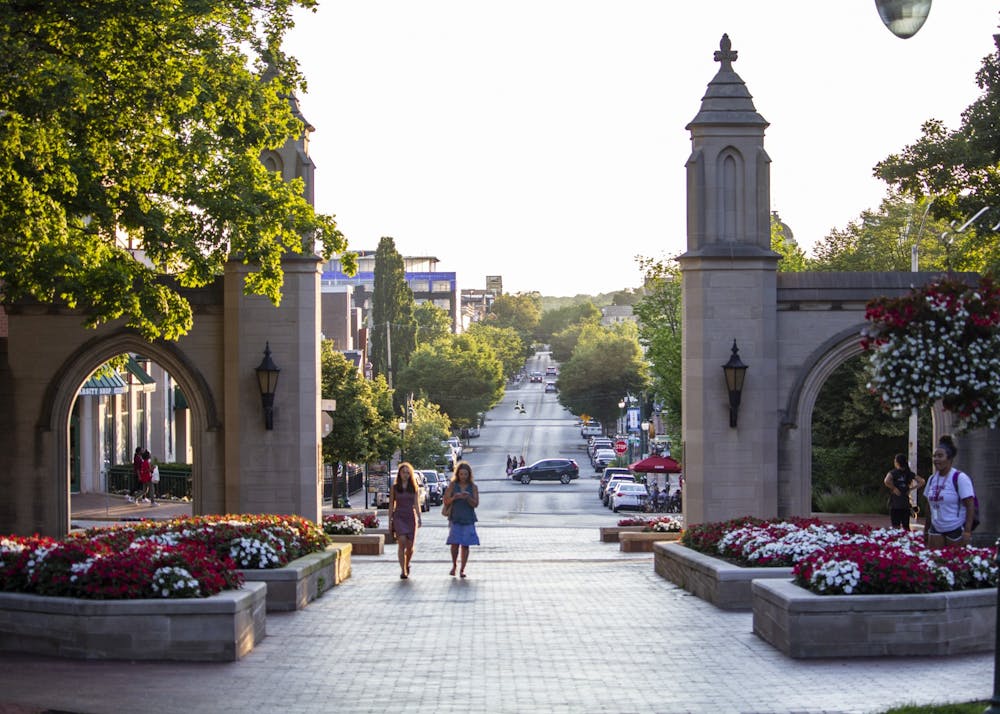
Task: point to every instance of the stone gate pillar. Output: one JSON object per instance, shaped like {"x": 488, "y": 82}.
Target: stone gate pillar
{"x": 729, "y": 292}
{"x": 276, "y": 470}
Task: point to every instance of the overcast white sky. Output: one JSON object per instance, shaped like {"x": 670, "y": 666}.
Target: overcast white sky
{"x": 544, "y": 140}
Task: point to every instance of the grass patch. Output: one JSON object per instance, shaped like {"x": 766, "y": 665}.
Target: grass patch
{"x": 839, "y": 500}
{"x": 965, "y": 708}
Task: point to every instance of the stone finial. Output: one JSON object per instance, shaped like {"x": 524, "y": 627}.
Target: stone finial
{"x": 726, "y": 54}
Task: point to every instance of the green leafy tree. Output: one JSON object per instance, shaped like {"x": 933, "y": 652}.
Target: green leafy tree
{"x": 461, "y": 374}
{"x": 606, "y": 365}
{"x": 425, "y": 430}
{"x": 363, "y": 425}
{"x": 658, "y": 315}
{"x": 506, "y": 344}
{"x": 432, "y": 323}
{"x": 560, "y": 318}
{"x": 131, "y": 126}
{"x": 521, "y": 311}
{"x": 793, "y": 260}
{"x": 393, "y": 326}
{"x": 961, "y": 169}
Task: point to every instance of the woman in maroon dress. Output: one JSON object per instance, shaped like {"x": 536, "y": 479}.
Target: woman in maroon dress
{"x": 404, "y": 515}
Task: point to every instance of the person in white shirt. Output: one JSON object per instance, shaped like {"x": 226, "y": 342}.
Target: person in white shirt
{"x": 950, "y": 495}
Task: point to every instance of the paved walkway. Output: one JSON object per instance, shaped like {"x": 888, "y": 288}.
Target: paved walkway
{"x": 549, "y": 620}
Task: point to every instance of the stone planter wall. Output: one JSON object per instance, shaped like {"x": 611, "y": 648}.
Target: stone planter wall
{"x": 365, "y": 544}
{"x": 803, "y": 624}
{"x": 610, "y": 534}
{"x": 304, "y": 579}
{"x": 723, "y": 584}
{"x": 643, "y": 542}
{"x": 384, "y": 532}
{"x": 220, "y": 628}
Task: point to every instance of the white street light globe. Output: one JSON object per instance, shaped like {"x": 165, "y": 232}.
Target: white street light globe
{"x": 903, "y": 17}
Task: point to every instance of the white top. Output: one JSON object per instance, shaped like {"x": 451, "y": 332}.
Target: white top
{"x": 947, "y": 509}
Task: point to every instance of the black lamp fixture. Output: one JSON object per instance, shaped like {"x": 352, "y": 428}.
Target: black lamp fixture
{"x": 903, "y": 17}
{"x": 735, "y": 373}
{"x": 267, "y": 380}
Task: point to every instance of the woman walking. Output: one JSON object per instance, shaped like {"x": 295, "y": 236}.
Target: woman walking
{"x": 462, "y": 497}
{"x": 404, "y": 515}
{"x": 951, "y": 498}
{"x": 900, "y": 481}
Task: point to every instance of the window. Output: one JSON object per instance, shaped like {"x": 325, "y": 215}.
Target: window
{"x": 441, "y": 286}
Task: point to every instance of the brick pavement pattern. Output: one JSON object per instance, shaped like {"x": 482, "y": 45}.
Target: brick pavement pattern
{"x": 549, "y": 620}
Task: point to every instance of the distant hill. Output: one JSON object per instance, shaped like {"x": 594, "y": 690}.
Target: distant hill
{"x": 627, "y": 296}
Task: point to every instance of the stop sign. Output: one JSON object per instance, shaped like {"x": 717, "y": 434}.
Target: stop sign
{"x": 621, "y": 446}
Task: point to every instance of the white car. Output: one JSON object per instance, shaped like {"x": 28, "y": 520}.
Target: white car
{"x": 613, "y": 481}
{"x": 604, "y": 458}
{"x": 456, "y": 446}
{"x": 629, "y": 495}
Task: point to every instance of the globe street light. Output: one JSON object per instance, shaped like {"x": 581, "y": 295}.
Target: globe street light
{"x": 903, "y": 17}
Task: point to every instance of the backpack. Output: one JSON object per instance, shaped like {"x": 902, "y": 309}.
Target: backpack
{"x": 975, "y": 499}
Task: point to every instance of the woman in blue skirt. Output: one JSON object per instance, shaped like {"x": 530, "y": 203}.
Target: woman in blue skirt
{"x": 462, "y": 496}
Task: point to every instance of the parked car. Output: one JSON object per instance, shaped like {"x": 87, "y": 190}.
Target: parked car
{"x": 608, "y": 473}
{"x": 423, "y": 494}
{"x": 629, "y": 495}
{"x": 591, "y": 429}
{"x": 563, "y": 470}
{"x": 456, "y": 445}
{"x": 598, "y": 442}
{"x": 603, "y": 458}
{"x": 436, "y": 484}
{"x": 616, "y": 478}
{"x": 550, "y": 387}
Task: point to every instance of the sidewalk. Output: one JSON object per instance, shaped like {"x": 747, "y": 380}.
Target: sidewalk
{"x": 549, "y": 620}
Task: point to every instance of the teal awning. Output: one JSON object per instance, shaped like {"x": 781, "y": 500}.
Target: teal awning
{"x": 140, "y": 377}
{"x": 103, "y": 385}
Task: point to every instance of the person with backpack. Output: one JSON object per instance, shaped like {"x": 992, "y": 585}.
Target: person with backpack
{"x": 900, "y": 481}
{"x": 952, "y": 500}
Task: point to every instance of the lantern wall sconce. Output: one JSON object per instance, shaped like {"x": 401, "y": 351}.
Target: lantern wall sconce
{"x": 267, "y": 380}
{"x": 735, "y": 372}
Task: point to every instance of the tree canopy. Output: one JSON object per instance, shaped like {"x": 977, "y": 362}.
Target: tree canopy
{"x": 461, "y": 374}
{"x": 959, "y": 168}
{"x": 131, "y": 136}
{"x": 393, "y": 326}
{"x": 659, "y": 318}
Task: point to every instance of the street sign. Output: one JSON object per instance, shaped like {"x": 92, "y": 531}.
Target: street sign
{"x": 621, "y": 446}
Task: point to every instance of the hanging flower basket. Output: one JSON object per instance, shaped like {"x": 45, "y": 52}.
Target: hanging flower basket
{"x": 940, "y": 342}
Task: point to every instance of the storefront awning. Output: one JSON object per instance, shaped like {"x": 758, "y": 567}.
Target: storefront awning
{"x": 140, "y": 378}
{"x": 103, "y": 385}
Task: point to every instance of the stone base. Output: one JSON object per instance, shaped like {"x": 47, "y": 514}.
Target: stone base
{"x": 220, "y": 628}
{"x": 723, "y": 584}
{"x": 365, "y": 544}
{"x": 611, "y": 534}
{"x": 384, "y": 532}
{"x": 643, "y": 542}
{"x": 803, "y": 624}
{"x": 304, "y": 579}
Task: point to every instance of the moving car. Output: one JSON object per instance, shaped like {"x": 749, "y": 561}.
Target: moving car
{"x": 564, "y": 470}
{"x": 550, "y": 387}
{"x": 551, "y": 371}
{"x": 535, "y": 377}
{"x": 629, "y": 495}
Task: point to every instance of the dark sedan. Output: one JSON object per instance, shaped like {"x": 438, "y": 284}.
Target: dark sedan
{"x": 564, "y": 470}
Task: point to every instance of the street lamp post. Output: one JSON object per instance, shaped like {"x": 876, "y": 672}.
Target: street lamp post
{"x": 643, "y": 436}
{"x": 402, "y": 439}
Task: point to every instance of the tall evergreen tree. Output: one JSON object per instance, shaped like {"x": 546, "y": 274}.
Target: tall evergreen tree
{"x": 393, "y": 326}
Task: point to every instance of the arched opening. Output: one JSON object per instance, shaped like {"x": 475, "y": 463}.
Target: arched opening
{"x": 83, "y": 446}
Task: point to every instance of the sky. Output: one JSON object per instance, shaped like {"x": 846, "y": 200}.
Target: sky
{"x": 544, "y": 140}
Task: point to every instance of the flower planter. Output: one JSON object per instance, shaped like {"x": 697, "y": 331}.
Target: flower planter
{"x": 364, "y": 544}
{"x": 802, "y": 624}
{"x": 219, "y": 628}
{"x": 723, "y": 584}
{"x": 642, "y": 542}
{"x": 611, "y": 534}
{"x": 304, "y": 579}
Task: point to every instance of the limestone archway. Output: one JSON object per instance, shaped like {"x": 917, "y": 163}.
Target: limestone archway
{"x": 61, "y": 393}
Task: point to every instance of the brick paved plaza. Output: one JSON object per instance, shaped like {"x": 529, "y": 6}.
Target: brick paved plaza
{"x": 549, "y": 620}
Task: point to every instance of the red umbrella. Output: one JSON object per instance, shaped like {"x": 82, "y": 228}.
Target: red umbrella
{"x": 656, "y": 464}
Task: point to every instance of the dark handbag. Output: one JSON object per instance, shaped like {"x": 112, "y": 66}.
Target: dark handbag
{"x": 446, "y": 510}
